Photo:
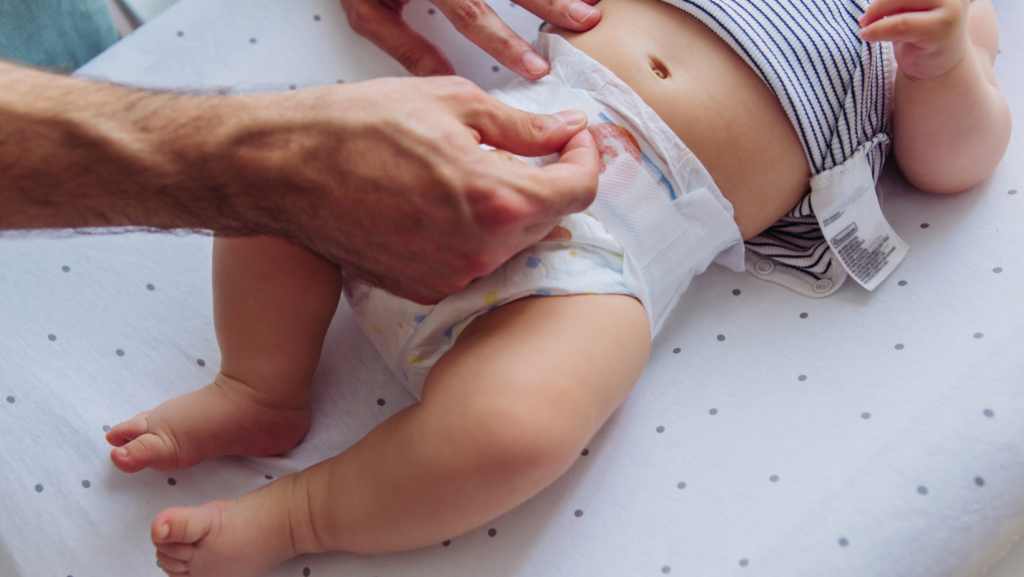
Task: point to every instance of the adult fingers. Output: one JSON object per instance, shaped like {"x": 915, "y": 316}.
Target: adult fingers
{"x": 384, "y": 26}
{"x": 570, "y": 14}
{"x": 907, "y": 27}
{"x": 478, "y": 22}
{"x": 520, "y": 132}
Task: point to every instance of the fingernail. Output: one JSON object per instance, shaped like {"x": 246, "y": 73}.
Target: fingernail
{"x": 534, "y": 64}
{"x": 580, "y": 11}
{"x": 165, "y": 530}
{"x": 122, "y": 452}
{"x": 571, "y": 117}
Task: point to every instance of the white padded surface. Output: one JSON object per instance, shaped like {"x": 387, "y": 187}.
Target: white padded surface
{"x": 785, "y": 467}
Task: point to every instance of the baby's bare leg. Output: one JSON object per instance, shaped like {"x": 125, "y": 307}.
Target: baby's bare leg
{"x": 273, "y": 302}
{"x": 504, "y": 414}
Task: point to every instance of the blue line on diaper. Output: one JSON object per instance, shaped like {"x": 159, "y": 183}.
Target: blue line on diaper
{"x": 543, "y": 293}
{"x": 649, "y": 163}
{"x": 532, "y": 262}
{"x": 405, "y": 375}
{"x": 418, "y": 318}
{"x": 448, "y": 333}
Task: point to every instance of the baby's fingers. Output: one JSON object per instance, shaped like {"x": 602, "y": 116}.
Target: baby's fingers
{"x": 882, "y": 8}
{"x": 910, "y": 27}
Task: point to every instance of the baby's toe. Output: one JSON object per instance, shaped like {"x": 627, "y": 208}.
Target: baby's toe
{"x": 170, "y": 565}
{"x": 147, "y": 450}
{"x": 181, "y": 525}
{"x": 125, "y": 432}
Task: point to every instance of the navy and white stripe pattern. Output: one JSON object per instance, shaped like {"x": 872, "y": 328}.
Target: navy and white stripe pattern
{"x": 834, "y": 87}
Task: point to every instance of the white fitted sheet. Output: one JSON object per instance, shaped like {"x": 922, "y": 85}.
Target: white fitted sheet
{"x": 786, "y": 467}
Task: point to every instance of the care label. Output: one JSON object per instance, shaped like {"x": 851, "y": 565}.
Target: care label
{"x": 847, "y": 209}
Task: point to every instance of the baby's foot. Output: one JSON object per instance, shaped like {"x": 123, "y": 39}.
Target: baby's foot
{"x": 243, "y": 537}
{"x": 225, "y": 417}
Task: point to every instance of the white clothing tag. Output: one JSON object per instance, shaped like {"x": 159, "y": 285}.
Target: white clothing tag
{"x": 847, "y": 209}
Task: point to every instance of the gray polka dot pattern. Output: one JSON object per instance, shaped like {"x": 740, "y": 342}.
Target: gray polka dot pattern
{"x": 922, "y": 490}
{"x": 201, "y": 362}
{"x": 902, "y": 283}
{"x": 268, "y": 477}
{"x": 979, "y": 481}
{"x": 988, "y": 413}
{"x": 979, "y": 335}
{"x": 666, "y": 569}
{"x": 305, "y": 572}
{"x": 713, "y": 412}
{"x": 65, "y": 268}
{"x": 172, "y": 481}
{"x": 151, "y": 287}
{"x": 925, "y": 225}
{"x": 997, "y": 270}
{"x": 39, "y": 488}
{"x": 680, "y": 485}
{"x": 676, "y": 351}
{"x": 843, "y": 542}
{"x": 10, "y": 399}
{"x": 1014, "y": 191}
{"x": 180, "y": 33}
{"x": 802, "y": 378}
{"x": 736, "y": 292}
{"x": 660, "y": 429}
{"x": 578, "y": 513}
{"x": 86, "y": 483}
{"x": 446, "y": 543}
{"x": 52, "y": 337}
{"x": 492, "y": 532}
{"x": 803, "y": 315}
{"x": 106, "y": 428}
{"x": 865, "y": 415}
{"x": 119, "y": 352}
{"x": 585, "y": 452}
{"x": 774, "y": 478}
{"x": 899, "y": 346}
{"x": 744, "y": 562}
{"x": 721, "y": 337}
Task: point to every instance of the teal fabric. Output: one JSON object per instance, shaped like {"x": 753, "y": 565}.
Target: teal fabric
{"x": 55, "y": 34}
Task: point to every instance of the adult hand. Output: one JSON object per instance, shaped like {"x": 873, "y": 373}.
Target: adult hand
{"x": 381, "y": 22}
{"x": 390, "y": 182}
{"x": 385, "y": 178}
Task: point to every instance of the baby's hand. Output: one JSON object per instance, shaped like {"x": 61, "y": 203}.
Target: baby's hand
{"x": 929, "y": 36}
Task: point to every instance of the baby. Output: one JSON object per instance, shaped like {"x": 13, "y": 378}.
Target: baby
{"x": 518, "y": 371}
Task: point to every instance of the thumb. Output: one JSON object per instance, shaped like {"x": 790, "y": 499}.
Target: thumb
{"x": 526, "y": 133}
{"x": 385, "y": 27}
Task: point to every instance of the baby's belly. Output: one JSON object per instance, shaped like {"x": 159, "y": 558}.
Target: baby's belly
{"x": 709, "y": 96}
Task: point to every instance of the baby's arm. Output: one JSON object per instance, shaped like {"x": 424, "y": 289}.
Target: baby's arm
{"x": 952, "y": 124}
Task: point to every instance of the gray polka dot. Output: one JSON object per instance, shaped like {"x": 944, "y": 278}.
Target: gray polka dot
{"x": 979, "y": 335}
{"x": 65, "y": 268}
{"x": 988, "y": 413}
{"x": 736, "y": 292}
{"x": 774, "y": 478}
{"x": 744, "y": 562}
{"x": 106, "y": 428}
{"x": 578, "y": 513}
{"x": 843, "y": 542}
{"x": 979, "y": 481}
{"x": 585, "y": 452}
{"x": 721, "y": 337}
{"x": 803, "y": 315}
{"x": 380, "y": 402}
{"x": 680, "y": 485}
{"x": 316, "y": 17}
{"x": 495, "y": 68}
{"x": 676, "y": 351}
{"x": 10, "y": 399}
{"x": 666, "y": 569}
{"x": 925, "y": 225}
{"x": 39, "y": 488}
{"x": 151, "y": 287}
{"x": 997, "y": 270}
{"x": 292, "y": 87}
{"x": 305, "y": 572}
{"x": 431, "y": 11}
{"x": 51, "y": 337}
{"x": 447, "y": 543}
{"x": 802, "y": 378}
{"x": 1014, "y": 191}
{"x": 660, "y": 429}
{"x": 180, "y": 33}
{"x": 865, "y": 415}
{"x": 171, "y": 481}
{"x": 922, "y": 490}
{"x": 492, "y": 531}
{"x": 252, "y": 41}
{"x": 899, "y": 346}
{"x": 713, "y": 412}
{"x": 119, "y": 352}
{"x": 902, "y": 283}
{"x": 268, "y": 477}
{"x": 201, "y": 362}
{"x": 86, "y": 483}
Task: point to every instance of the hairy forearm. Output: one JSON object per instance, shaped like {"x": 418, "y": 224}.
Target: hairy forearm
{"x": 951, "y": 131}
{"x": 81, "y": 154}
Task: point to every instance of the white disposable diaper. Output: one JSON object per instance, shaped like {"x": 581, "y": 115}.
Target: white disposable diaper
{"x": 658, "y": 221}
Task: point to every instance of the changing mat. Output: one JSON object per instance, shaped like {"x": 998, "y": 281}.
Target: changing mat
{"x": 866, "y": 434}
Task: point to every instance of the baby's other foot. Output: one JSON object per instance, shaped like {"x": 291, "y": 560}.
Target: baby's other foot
{"x": 243, "y": 537}
{"x": 226, "y": 417}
